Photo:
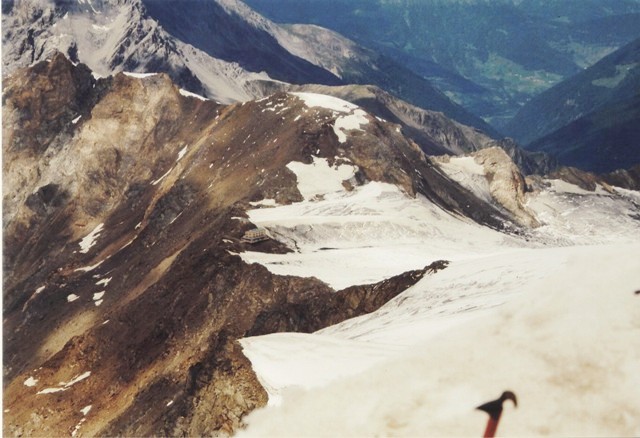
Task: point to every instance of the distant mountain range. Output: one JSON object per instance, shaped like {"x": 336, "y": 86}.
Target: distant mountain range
{"x": 220, "y": 48}
{"x": 224, "y": 50}
{"x": 489, "y": 56}
{"x": 602, "y": 141}
{"x": 591, "y": 120}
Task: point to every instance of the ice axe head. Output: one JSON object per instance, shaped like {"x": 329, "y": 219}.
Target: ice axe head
{"x": 494, "y": 409}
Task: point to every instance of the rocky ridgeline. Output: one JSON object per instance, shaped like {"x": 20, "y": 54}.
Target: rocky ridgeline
{"x": 124, "y": 201}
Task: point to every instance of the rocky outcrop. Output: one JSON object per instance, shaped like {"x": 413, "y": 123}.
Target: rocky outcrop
{"x": 435, "y": 133}
{"x": 495, "y": 178}
{"x": 506, "y": 184}
{"x": 584, "y": 180}
{"x": 319, "y": 311}
{"x": 628, "y": 179}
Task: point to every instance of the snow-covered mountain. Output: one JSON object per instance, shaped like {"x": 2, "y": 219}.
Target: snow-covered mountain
{"x": 116, "y": 190}
{"x": 549, "y": 314}
{"x": 128, "y": 284}
{"x": 219, "y": 48}
{"x": 115, "y": 36}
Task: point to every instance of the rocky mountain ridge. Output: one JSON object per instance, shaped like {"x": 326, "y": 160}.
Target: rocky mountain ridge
{"x": 435, "y": 133}
{"x": 118, "y": 189}
{"x": 129, "y": 287}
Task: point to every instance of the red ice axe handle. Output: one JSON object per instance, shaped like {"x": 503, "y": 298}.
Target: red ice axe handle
{"x": 492, "y": 427}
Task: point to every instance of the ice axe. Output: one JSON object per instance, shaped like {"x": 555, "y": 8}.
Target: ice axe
{"x": 494, "y": 409}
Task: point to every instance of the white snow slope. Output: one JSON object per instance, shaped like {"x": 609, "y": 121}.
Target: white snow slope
{"x": 568, "y": 346}
{"x": 552, "y": 317}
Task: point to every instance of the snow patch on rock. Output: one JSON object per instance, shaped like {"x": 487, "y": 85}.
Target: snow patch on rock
{"x": 328, "y": 102}
{"x": 469, "y": 174}
{"x": 155, "y": 182}
{"x": 139, "y": 75}
{"x": 63, "y": 386}
{"x": 319, "y": 178}
{"x": 190, "y": 94}
{"x": 98, "y": 295}
{"x": 90, "y": 239}
{"x": 354, "y": 116}
{"x": 182, "y": 152}
{"x": 104, "y": 281}
{"x": 349, "y": 122}
{"x": 89, "y": 268}
{"x": 30, "y": 382}
{"x": 264, "y": 203}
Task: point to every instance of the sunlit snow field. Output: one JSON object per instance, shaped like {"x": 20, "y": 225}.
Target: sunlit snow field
{"x": 566, "y": 341}
{"x": 551, "y": 316}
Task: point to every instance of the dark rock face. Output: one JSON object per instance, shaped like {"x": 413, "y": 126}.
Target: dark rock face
{"x": 120, "y": 224}
{"x": 57, "y": 92}
{"x": 628, "y": 179}
{"x": 602, "y": 141}
{"x": 580, "y": 178}
{"x": 228, "y": 36}
{"x": 321, "y": 310}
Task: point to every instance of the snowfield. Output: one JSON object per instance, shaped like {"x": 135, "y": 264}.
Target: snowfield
{"x": 325, "y": 179}
{"x": 552, "y": 316}
{"x": 365, "y": 235}
{"x": 568, "y": 345}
